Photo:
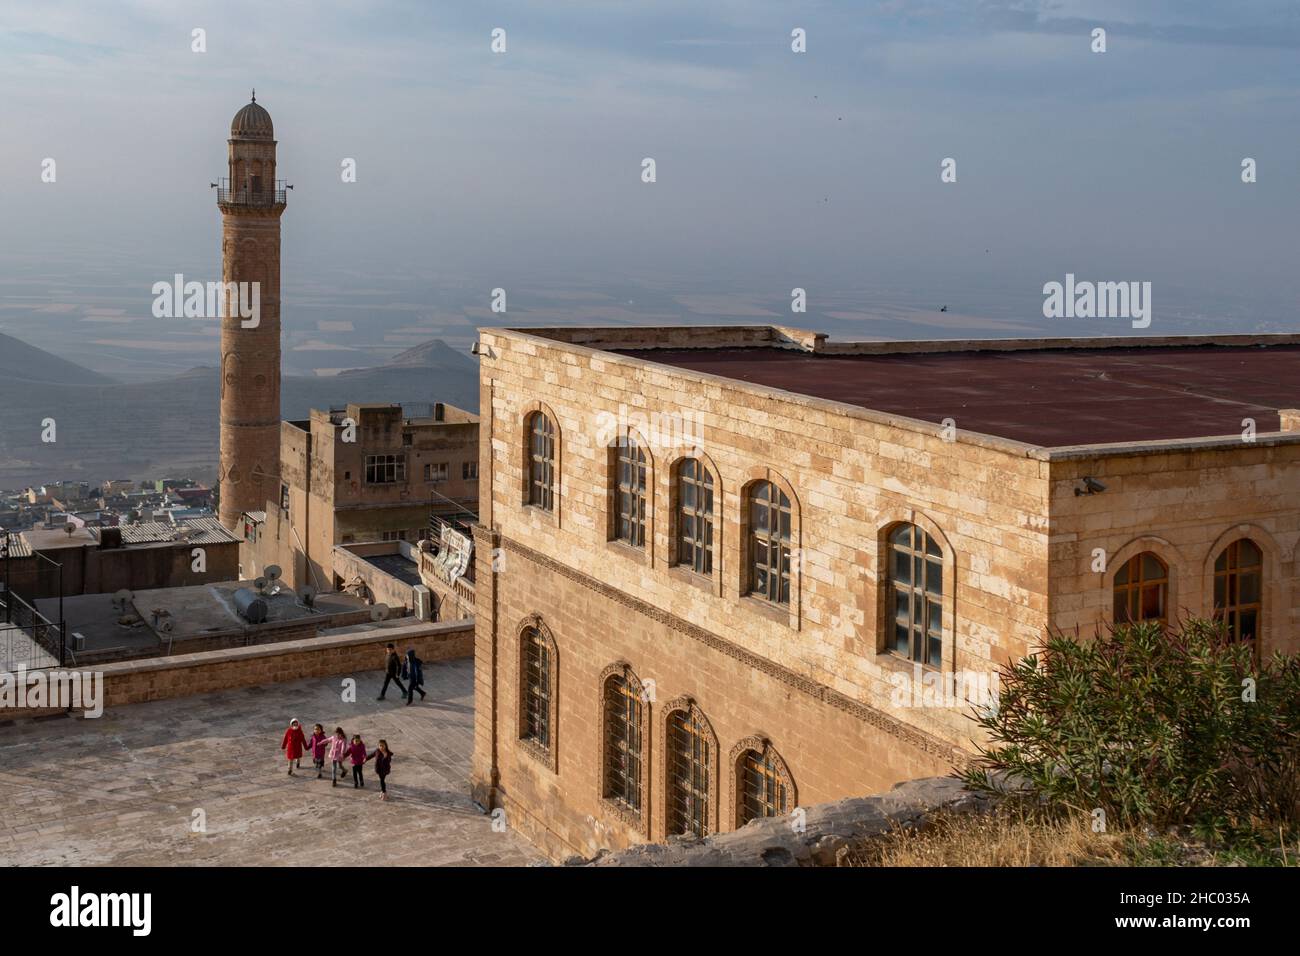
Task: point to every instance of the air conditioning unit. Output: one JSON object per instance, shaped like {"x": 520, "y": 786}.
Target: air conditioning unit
{"x": 423, "y": 602}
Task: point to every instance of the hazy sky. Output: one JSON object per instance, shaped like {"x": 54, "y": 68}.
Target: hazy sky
{"x": 775, "y": 169}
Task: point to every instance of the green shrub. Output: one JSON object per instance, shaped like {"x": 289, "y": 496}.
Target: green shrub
{"x": 1155, "y": 726}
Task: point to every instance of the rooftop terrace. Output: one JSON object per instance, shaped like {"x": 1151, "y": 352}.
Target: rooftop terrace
{"x": 1053, "y": 396}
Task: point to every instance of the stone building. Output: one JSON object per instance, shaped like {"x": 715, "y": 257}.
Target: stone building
{"x": 726, "y": 572}
{"x": 251, "y": 201}
{"x": 367, "y": 472}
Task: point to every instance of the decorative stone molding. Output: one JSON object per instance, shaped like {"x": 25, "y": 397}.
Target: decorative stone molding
{"x": 547, "y": 755}
{"x": 686, "y": 703}
{"x": 735, "y": 792}
{"x": 636, "y": 819}
{"x": 878, "y": 719}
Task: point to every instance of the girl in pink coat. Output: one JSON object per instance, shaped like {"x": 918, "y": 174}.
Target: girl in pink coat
{"x": 293, "y": 744}
{"x": 317, "y": 744}
{"x": 337, "y": 751}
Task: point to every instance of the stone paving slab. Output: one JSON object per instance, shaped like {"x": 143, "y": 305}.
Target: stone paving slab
{"x": 122, "y": 790}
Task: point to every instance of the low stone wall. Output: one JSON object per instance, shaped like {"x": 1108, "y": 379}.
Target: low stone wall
{"x": 827, "y": 830}
{"x": 350, "y": 651}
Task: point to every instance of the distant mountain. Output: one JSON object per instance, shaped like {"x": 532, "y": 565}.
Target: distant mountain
{"x": 106, "y": 429}
{"x": 26, "y": 363}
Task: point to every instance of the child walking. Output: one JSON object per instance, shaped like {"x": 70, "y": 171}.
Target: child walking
{"x": 338, "y": 750}
{"x": 317, "y": 744}
{"x": 293, "y": 744}
{"x": 383, "y": 758}
{"x": 357, "y": 753}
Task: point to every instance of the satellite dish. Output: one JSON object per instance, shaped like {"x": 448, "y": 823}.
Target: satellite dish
{"x": 308, "y": 595}
{"x": 260, "y": 584}
{"x": 379, "y": 612}
{"x": 122, "y": 598}
{"x": 166, "y": 624}
{"x": 273, "y": 572}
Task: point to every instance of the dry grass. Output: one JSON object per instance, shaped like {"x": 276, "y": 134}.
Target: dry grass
{"x": 1008, "y": 837}
{"x": 997, "y": 839}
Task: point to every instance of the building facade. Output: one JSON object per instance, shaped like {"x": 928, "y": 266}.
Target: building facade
{"x": 725, "y": 572}
{"x": 367, "y": 472}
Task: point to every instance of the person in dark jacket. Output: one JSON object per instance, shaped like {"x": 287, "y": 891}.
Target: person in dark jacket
{"x": 392, "y": 666}
{"x": 413, "y": 671}
{"x": 383, "y": 758}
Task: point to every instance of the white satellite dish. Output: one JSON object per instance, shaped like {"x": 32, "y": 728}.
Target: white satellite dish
{"x": 379, "y": 612}
{"x": 273, "y": 572}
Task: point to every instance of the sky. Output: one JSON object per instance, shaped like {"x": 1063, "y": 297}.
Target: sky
{"x": 775, "y": 169}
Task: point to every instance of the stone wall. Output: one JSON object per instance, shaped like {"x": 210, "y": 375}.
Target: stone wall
{"x": 351, "y": 652}
{"x": 813, "y": 681}
{"x": 818, "y": 837}
{"x": 1184, "y": 504}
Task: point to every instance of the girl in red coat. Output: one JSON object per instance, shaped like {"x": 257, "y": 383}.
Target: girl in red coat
{"x": 293, "y": 744}
{"x": 357, "y": 754}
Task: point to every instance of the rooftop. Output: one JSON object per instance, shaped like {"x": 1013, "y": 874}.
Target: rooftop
{"x": 106, "y": 792}
{"x": 1060, "y": 395}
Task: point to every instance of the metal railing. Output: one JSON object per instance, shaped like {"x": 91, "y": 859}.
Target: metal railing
{"x": 246, "y": 195}
{"x": 28, "y": 638}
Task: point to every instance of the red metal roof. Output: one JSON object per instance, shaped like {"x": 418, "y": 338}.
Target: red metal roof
{"x": 1048, "y": 397}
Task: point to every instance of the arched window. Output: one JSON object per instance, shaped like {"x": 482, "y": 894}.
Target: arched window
{"x": 624, "y": 721}
{"x": 769, "y": 543}
{"x": 916, "y": 592}
{"x": 1239, "y": 588}
{"x": 1142, "y": 590}
{"x": 763, "y": 787}
{"x": 630, "y": 491}
{"x": 695, "y": 516}
{"x": 689, "y": 759}
{"x": 536, "y": 669}
{"x": 541, "y": 461}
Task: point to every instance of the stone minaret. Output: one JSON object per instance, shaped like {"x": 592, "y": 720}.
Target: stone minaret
{"x": 251, "y": 203}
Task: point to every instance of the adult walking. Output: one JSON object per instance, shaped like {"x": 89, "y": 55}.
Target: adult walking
{"x": 392, "y": 667}
{"x": 413, "y": 671}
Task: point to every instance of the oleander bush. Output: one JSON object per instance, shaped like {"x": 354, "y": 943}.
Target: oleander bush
{"x": 1154, "y": 726}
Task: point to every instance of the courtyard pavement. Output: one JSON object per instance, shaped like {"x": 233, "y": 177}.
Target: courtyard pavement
{"x": 123, "y": 789}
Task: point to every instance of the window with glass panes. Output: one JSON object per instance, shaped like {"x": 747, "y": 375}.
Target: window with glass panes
{"x": 695, "y": 516}
{"x": 541, "y": 462}
{"x": 536, "y": 688}
{"x": 769, "y": 543}
{"x": 1238, "y": 588}
{"x": 762, "y": 789}
{"x": 623, "y": 742}
{"x": 629, "y": 492}
{"x": 688, "y": 774}
{"x": 385, "y": 469}
{"x": 916, "y": 595}
{"x": 1141, "y": 590}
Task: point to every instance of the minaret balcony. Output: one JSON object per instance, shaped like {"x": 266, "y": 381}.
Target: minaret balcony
{"x": 251, "y": 194}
